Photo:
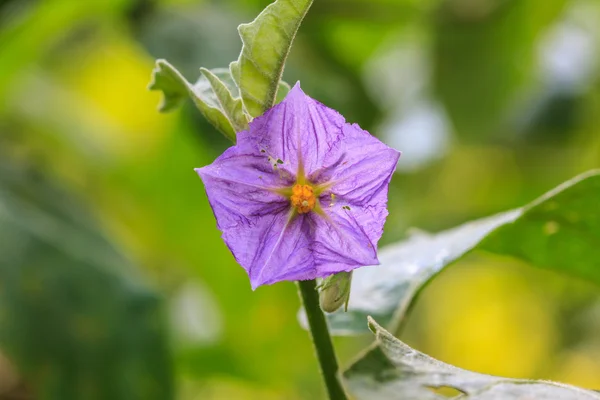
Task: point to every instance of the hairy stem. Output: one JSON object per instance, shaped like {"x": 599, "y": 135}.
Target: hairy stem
{"x": 321, "y": 339}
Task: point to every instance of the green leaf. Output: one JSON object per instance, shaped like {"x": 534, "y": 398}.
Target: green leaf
{"x": 559, "y": 231}
{"x": 209, "y": 101}
{"x": 266, "y": 44}
{"x": 230, "y": 106}
{"x": 75, "y": 320}
{"x": 174, "y": 86}
{"x": 391, "y": 369}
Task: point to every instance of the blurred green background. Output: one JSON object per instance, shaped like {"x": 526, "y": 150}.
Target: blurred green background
{"x": 492, "y": 102}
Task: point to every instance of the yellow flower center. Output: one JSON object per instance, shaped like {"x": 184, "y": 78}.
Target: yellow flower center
{"x": 303, "y": 198}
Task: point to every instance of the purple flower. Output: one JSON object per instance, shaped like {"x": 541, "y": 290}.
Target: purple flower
{"x": 303, "y": 193}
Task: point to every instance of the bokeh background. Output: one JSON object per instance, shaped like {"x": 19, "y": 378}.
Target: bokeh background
{"x": 492, "y": 102}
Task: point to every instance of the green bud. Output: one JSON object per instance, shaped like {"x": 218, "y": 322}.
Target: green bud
{"x": 335, "y": 291}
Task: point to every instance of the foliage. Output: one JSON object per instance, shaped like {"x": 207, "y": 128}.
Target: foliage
{"x": 266, "y": 44}
{"x": 390, "y": 368}
{"x": 254, "y": 79}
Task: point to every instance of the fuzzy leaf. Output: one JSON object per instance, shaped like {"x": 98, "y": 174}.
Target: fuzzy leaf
{"x": 230, "y": 106}
{"x": 391, "y": 369}
{"x": 266, "y": 43}
{"x": 176, "y": 88}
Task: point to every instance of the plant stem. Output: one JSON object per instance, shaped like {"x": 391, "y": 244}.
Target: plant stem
{"x": 321, "y": 339}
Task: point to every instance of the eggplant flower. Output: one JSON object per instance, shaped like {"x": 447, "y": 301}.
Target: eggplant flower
{"x": 302, "y": 195}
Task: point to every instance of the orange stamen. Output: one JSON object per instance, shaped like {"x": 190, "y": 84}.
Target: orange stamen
{"x": 303, "y": 198}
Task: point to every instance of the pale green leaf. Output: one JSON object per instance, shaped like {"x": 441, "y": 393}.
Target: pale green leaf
{"x": 174, "y": 86}
{"x": 390, "y": 369}
{"x": 266, "y": 44}
{"x": 230, "y": 106}
{"x": 176, "y": 89}
{"x": 559, "y": 231}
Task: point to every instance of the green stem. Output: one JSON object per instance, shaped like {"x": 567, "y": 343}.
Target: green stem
{"x": 321, "y": 339}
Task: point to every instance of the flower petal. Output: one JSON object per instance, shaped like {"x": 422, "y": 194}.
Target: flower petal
{"x": 299, "y": 131}
{"x": 255, "y": 220}
{"x": 240, "y": 186}
{"x": 358, "y": 168}
{"x": 301, "y": 137}
{"x": 272, "y": 248}
{"x": 344, "y": 239}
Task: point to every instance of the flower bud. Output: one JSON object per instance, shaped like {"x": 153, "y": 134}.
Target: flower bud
{"x": 335, "y": 291}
